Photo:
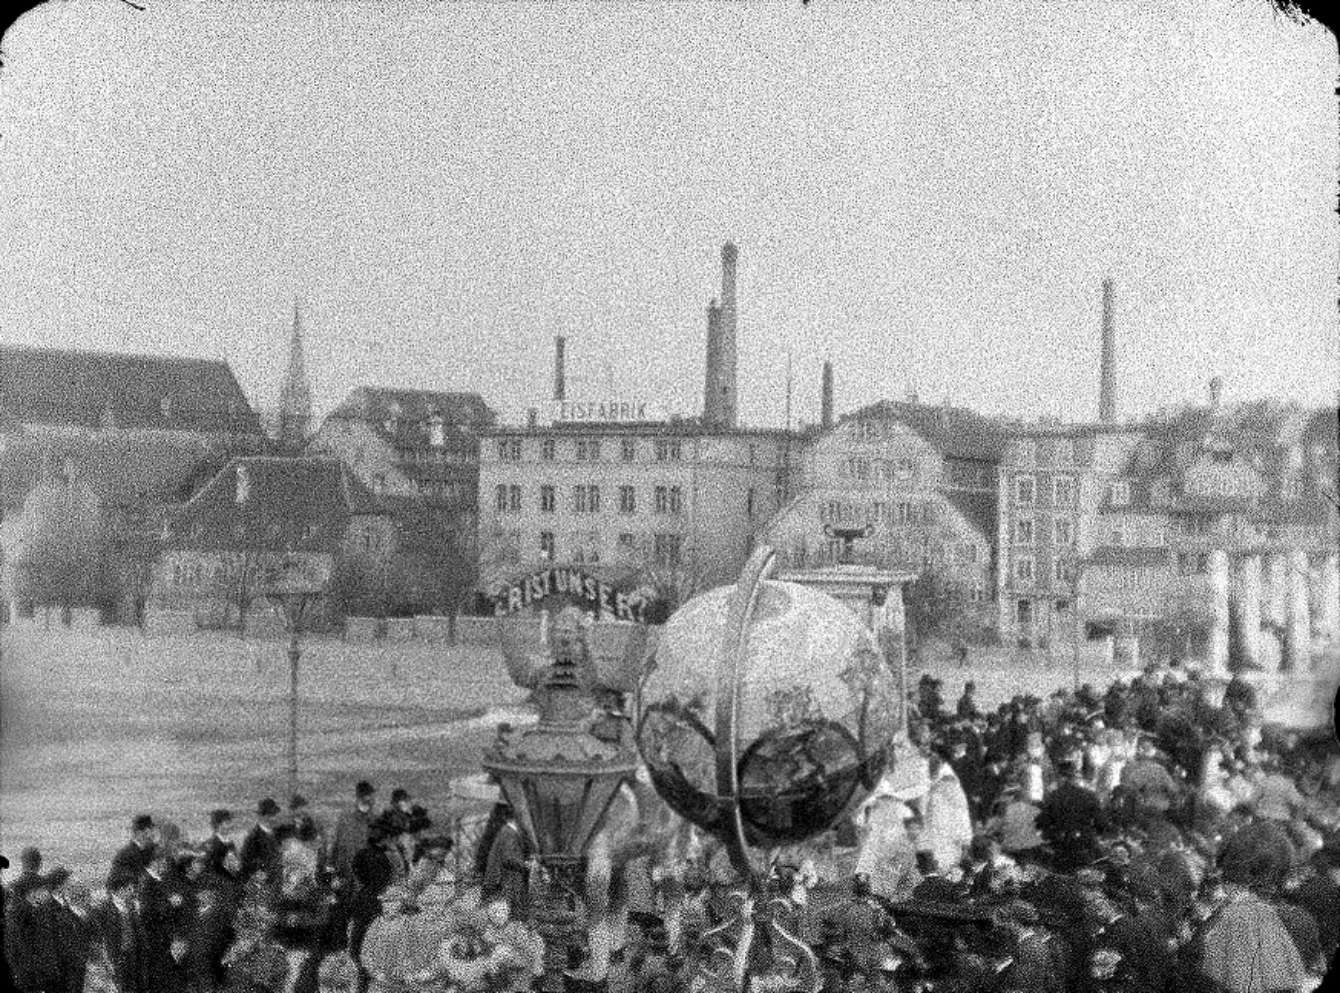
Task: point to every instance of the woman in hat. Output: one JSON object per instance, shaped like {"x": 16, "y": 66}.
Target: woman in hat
{"x": 377, "y": 866}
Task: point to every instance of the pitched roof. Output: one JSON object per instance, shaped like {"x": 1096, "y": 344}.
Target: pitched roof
{"x": 1128, "y": 555}
{"x": 955, "y": 431}
{"x": 377, "y": 404}
{"x": 280, "y": 504}
{"x": 85, "y": 389}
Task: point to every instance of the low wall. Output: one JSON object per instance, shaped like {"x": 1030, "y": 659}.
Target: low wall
{"x": 431, "y": 628}
{"x": 361, "y": 629}
{"x": 481, "y": 631}
{"x": 165, "y": 620}
{"x": 399, "y": 628}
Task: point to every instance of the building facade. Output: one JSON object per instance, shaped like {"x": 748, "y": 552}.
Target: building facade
{"x": 627, "y": 497}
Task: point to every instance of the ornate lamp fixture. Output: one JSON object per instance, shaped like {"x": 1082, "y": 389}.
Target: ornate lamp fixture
{"x": 561, "y": 775}
{"x": 767, "y": 714}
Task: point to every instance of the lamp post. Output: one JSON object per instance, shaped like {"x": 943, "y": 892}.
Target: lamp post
{"x": 290, "y": 589}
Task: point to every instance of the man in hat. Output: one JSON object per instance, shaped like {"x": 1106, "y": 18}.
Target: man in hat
{"x": 351, "y": 832}
{"x": 32, "y": 940}
{"x": 221, "y": 856}
{"x": 300, "y": 823}
{"x": 30, "y": 872}
{"x": 401, "y": 801}
{"x": 506, "y": 870}
{"x": 74, "y": 932}
{"x": 967, "y": 704}
{"x": 164, "y": 918}
{"x": 135, "y": 855}
{"x": 116, "y": 925}
{"x": 260, "y": 848}
{"x": 375, "y": 867}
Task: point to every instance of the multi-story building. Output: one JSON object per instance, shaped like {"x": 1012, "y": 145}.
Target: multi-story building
{"x": 618, "y": 496}
{"x": 922, "y": 476}
{"x": 418, "y": 452}
{"x": 220, "y": 548}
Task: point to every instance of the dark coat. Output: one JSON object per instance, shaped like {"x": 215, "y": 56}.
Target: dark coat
{"x": 119, "y": 934}
{"x": 260, "y": 853}
{"x": 131, "y": 860}
{"x": 351, "y": 834}
{"x": 32, "y": 945}
{"x": 1070, "y": 820}
{"x": 75, "y": 934}
{"x": 165, "y": 917}
{"x": 374, "y": 871}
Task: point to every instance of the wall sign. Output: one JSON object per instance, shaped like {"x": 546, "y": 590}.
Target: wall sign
{"x": 574, "y": 584}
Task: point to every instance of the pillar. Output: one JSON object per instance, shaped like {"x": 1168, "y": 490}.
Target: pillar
{"x": 1329, "y": 582}
{"x": 1298, "y": 634}
{"x": 1279, "y": 589}
{"x": 1249, "y": 608}
{"x": 1218, "y": 661}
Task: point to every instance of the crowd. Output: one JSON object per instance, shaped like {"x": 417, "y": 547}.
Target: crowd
{"x": 1147, "y": 838}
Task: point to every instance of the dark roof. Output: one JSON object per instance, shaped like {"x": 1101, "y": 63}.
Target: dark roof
{"x": 91, "y": 389}
{"x": 278, "y": 504}
{"x": 954, "y": 431}
{"x": 981, "y": 510}
{"x": 1127, "y": 555}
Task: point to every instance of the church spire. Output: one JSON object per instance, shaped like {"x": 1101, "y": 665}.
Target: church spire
{"x": 295, "y": 399}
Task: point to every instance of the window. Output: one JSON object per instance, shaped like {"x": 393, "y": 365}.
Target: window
{"x": 1119, "y": 493}
{"x": 905, "y": 513}
{"x": 1063, "y": 492}
{"x": 1023, "y": 612}
{"x": 627, "y": 500}
{"x": 858, "y": 468}
{"x": 905, "y": 468}
{"x": 753, "y": 455}
{"x": 668, "y": 451}
{"x": 514, "y": 498}
{"x": 749, "y": 502}
{"x": 666, "y": 549}
{"x": 1023, "y": 491}
{"x": 661, "y": 503}
{"x": 1065, "y": 451}
{"x": 588, "y": 449}
{"x": 1202, "y": 564}
{"x": 626, "y": 541}
{"x": 509, "y": 449}
{"x": 1117, "y": 536}
{"x": 593, "y": 499}
{"x": 1061, "y": 572}
{"x": 500, "y": 497}
{"x": 628, "y": 449}
{"x": 1063, "y": 531}
{"x": 579, "y": 499}
{"x": 547, "y": 499}
{"x": 676, "y": 500}
{"x": 547, "y": 450}
{"x": 1023, "y": 568}
{"x": 1023, "y": 531}
{"x": 547, "y": 545}
{"x": 593, "y": 547}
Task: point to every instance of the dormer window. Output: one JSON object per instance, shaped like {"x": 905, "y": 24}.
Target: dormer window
{"x": 1221, "y": 456}
{"x": 1119, "y": 493}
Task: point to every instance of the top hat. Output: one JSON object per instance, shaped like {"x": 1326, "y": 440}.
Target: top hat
{"x": 267, "y": 808}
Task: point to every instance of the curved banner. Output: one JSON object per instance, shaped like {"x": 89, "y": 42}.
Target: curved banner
{"x": 638, "y": 606}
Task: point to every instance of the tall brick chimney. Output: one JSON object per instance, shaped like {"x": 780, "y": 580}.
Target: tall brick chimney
{"x": 826, "y": 397}
{"x": 1107, "y": 386}
{"x": 719, "y": 400}
{"x": 560, "y": 386}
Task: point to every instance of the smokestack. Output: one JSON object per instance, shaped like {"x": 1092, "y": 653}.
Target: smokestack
{"x": 1107, "y": 387}
{"x": 711, "y": 392}
{"x": 559, "y": 384}
{"x": 726, "y": 351}
{"x": 1216, "y": 392}
{"x": 826, "y": 398}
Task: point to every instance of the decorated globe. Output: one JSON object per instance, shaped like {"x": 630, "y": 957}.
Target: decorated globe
{"x": 814, "y": 712}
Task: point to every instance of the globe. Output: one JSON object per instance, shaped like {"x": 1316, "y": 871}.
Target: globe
{"x": 814, "y": 722}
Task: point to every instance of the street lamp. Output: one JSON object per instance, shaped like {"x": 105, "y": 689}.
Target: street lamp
{"x": 290, "y": 589}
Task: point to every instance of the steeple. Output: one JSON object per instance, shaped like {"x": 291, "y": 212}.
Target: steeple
{"x": 295, "y": 399}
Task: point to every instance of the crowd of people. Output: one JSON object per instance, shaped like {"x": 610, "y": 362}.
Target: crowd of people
{"x": 1146, "y": 838}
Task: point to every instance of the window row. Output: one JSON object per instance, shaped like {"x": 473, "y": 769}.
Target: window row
{"x": 589, "y": 449}
{"x": 584, "y": 547}
{"x": 1026, "y": 491}
{"x": 881, "y": 469}
{"x": 1026, "y": 533}
{"x": 1026, "y": 571}
{"x": 879, "y": 511}
{"x": 586, "y": 499}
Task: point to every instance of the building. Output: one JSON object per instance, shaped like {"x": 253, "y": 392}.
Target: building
{"x": 418, "y": 452}
{"x": 923, "y": 477}
{"x": 672, "y": 496}
{"x": 221, "y": 547}
{"x": 45, "y": 391}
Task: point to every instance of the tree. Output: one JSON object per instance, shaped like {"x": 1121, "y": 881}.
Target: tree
{"x": 936, "y": 605}
{"x": 1184, "y": 627}
{"x": 65, "y": 549}
{"x": 239, "y": 581}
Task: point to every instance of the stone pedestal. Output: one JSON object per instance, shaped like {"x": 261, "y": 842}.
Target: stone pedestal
{"x": 1218, "y": 660}
{"x": 1249, "y": 608}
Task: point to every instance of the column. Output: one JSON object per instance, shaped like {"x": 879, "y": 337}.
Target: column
{"x": 1249, "y": 608}
{"x": 1298, "y": 635}
{"x": 1279, "y": 588}
{"x": 1330, "y": 597}
{"x": 1218, "y": 661}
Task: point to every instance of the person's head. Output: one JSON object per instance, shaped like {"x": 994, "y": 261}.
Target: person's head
{"x": 496, "y": 909}
{"x": 160, "y": 862}
{"x": 401, "y": 800}
{"x": 969, "y": 688}
{"x": 30, "y": 861}
{"x": 221, "y": 822}
{"x": 300, "y": 813}
{"x": 57, "y": 879}
{"x": 267, "y": 813}
{"x": 142, "y": 830}
{"x": 364, "y": 794}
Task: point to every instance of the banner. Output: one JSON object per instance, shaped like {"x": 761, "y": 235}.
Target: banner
{"x": 520, "y": 593}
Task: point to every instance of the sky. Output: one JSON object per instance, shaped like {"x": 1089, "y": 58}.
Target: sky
{"x": 927, "y": 193}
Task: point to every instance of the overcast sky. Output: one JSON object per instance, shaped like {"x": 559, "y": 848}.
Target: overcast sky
{"x": 929, "y": 192}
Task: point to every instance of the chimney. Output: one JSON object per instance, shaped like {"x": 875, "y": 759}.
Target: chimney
{"x": 1107, "y": 387}
{"x": 559, "y": 385}
{"x": 726, "y": 351}
{"x": 826, "y": 397}
{"x": 711, "y": 392}
{"x": 1216, "y": 392}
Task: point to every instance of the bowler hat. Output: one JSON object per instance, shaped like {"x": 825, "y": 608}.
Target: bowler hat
{"x": 297, "y": 802}
{"x": 142, "y": 822}
{"x": 219, "y": 817}
{"x": 398, "y": 795}
{"x": 267, "y": 808}
{"x": 364, "y": 788}
{"x": 4, "y": 862}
